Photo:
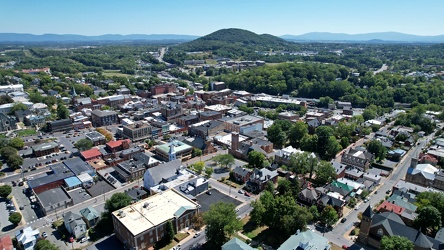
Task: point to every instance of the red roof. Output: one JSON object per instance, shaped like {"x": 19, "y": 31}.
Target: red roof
{"x": 386, "y": 206}
{"x": 115, "y": 144}
{"x": 94, "y": 152}
{"x": 6, "y": 243}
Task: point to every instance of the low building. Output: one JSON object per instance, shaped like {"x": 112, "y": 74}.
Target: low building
{"x": 101, "y": 118}
{"x": 27, "y": 237}
{"x": 60, "y": 125}
{"x": 259, "y": 179}
{"x": 45, "y": 149}
{"x": 206, "y": 128}
{"x": 242, "y": 174}
{"x": 96, "y": 138}
{"x": 74, "y": 224}
{"x": 187, "y": 120}
{"x": 130, "y": 170}
{"x": 425, "y": 175}
{"x": 235, "y": 124}
{"x": 90, "y": 216}
{"x": 137, "y": 132}
{"x": 174, "y": 150}
{"x": 282, "y": 156}
{"x": 236, "y": 244}
{"x": 6, "y": 243}
{"x": 54, "y": 199}
{"x": 78, "y": 166}
{"x": 358, "y": 158}
{"x": 91, "y": 154}
{"x": 209, "y": 116}
{"x": 7, "y": 122}
{"x": 141, "y": 224}
{"x": 305, "y": 240}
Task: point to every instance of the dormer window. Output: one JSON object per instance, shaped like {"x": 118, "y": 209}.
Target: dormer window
{"x": 380, "y": 232}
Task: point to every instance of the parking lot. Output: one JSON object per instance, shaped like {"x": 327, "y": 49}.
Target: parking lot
{"x": 4, "y": 215}
{"x": 30, "y": 213}
{"x": 79, "y": 195}
{"x": 205, "y": 199}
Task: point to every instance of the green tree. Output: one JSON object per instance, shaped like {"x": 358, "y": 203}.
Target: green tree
{"x": 4, "y": 99}
{"x": 208, "y": 172}
{"x": 197, "y": 221}
{"x": 17, "y": 143}
{"x": 298, "y": 131}
{"x": 18, "y": 106}
{"x": 196, "y": 152}
{"x": 314, "y": 212}
{"x": 325, "y": 172}
{"x": 169, "y": 236}
{"x": 256, "y": 159}
{"x": 15, "y": 218}
{"x": 396, "y": 242}
{"x": 14, "y": 161}
{"x": 62, "y": 111}
{"x": 375, "y": 147}
{"x": 83, "y": 144}
{"x": 225, "y": 160}
{"x": 369, "y": 114}
{"x": 117, "y": 201}
{"x": 43, "y": 244}
{"x": 6, "y": 152}
{"x": 221, "y": 223}
{"x": 329, "y": 216}
{"x": 276, "y": 135}
{"x": 198, "y": 166}
{"x": 5, "y": 191}
{"x": 428, "y": 217}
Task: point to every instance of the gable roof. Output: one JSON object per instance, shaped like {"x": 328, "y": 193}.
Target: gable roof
{"x": 305, "y": 240}
{"x": 236, "y": 244}
{"x": 241, "y": 171}
{"x": 89, "y": 213}
{"x": 166, "y": 170}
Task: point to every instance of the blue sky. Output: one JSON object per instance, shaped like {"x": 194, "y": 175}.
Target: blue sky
{"x": 199, "y": 17}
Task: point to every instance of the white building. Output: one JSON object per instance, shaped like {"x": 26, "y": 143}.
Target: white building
{"x": 27, "y": 237}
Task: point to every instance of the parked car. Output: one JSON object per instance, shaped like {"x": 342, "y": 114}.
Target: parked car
{"x": 209, "y": 192}
{"x": 44, "y": 235}
{"x": 247, "y": 194}
{"x": 343, "y": 220}
{"x": 196, "y": 235}
{"x": 241, "y": 191}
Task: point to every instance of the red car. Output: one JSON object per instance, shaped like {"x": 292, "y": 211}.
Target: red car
{"x": 247, "y": 194}
{"x": 344, "y": 247}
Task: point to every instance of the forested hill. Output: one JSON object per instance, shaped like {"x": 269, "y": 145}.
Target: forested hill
{"x": 235, "y": 42}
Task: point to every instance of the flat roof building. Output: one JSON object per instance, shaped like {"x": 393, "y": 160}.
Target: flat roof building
{"x": 141, "y": 224}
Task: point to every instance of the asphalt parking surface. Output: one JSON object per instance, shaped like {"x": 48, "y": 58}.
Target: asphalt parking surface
{"x": 99, "y": 188}
{"x": 205, "y": 200}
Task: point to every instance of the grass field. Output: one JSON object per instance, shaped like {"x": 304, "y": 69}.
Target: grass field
{"x": 114, "y": 73}
{"x": 26, "y": 132}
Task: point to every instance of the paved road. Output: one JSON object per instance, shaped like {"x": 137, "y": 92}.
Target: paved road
{"x": 383, "y": 67}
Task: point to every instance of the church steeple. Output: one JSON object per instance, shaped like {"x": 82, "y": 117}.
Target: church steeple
{"x": 172, "y": 153}
{"x": 366, "y": 223}
{"x": 74, "y": 94}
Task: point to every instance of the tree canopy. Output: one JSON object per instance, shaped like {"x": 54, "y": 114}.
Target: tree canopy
{"x": 15, "y": 218}
{"x": 5, "y": 191}
{"x": 226, "y": 160}
{"x": 84, "y": 144}
{"x": 396, "y": 242}
{"x": 43, "y": 244}
{"x": 117, "y": 201}
{"x": 221, "y": 223}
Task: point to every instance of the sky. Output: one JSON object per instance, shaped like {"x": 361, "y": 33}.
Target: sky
{"x": 201, "y": 17}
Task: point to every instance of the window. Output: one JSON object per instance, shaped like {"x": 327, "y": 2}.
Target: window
{"x": 380, "y": 232}
{"x": 151, "y": 234}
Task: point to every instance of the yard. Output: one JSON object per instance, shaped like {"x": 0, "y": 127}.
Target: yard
{"x": 26, "y": 132}
{"x": 251, "y": 230}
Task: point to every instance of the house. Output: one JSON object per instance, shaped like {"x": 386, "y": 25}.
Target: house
{"x": 6, "y": 243}
{"x": 282, "y": 156}
{"x": 357, "y": 157}
{"x": 332, "y": 199}
{"x": 137, "y": 194}
{"x": 141, "y": 224}
{"x": 7, "y": 122}
{"x": 241, "y": 174}
{"x": 241, "y": 149}
{"x": 375, "y": 226}
{"x": 339, "y": 169}
{"x": 236, "y": 244}
{"x": 27, "y": 237}
{"x": 425, "y": 175}
{"x": 74, "y": 224}
{"x": 90, "y": 216}
{"x": 313, "y": 124}
{"x": 259, "y": 179}
{"x": 199, "y": 143}
{"x": 305, "y": 240}
{"x": 308, "y": 196}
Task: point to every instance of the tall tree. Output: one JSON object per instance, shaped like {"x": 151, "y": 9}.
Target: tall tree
{"x": 376, "y": 147}
{"x": 15, "y": 218}
{"x": 199, "y": 166}
{"x": 221, "y": 223}
{"x": 325, "y": 172}
{"x": 117, "y": 201}
{"x": 62, "y": 111}
{"x": 256, "y": 159}
{"x": 83, "y": 144}
{"x": 43, "y": 244}
{"x": 226, "y": 160}
{"x": 396, "y": 242}
{"x": 296, "y": 133}
{"x": 169, "y": 236}
{"x": 428, "y": 217}
{"x": 329, "y": 216}
{"x": 276, "y": 135}
{"x": 17, "y": 143}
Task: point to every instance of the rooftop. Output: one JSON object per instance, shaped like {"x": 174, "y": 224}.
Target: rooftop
{"x": 101, "y": 113}
{"x": 45, "y": 146}
{"x": 154, "y": 210}
{"x": 94, "y": 152}
{"x": 53, "y": 196}
{"x": 178, "y": 146}
{"x": 248, "y": 119}
{"x": 95, "y": 136}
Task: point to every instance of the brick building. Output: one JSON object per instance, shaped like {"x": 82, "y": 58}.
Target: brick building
{"x": 101, "y": 118}
{"x": 45, "y": 149}
{"x": 137, "y": 132}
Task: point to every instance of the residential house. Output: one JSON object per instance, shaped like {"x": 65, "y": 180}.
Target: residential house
{"x": 339, "y": 169}
{"x": 282, "y": 156}
{"x": 357, "y": 157}
{"x": 305, "y": 240}
{"x": 236, "y": 244}
{"x": 90, "y": 216}
{"x": 259, "y": 179}
{"x": 313, "y": 124}
{"x": 309, "y": 196}
{"x": 27, "y": 237}
{"x": 137, "y": 194}
{"x": 241, "y": 174}
{"x": 74, "y": 224}
{"x": 7, "y": 122}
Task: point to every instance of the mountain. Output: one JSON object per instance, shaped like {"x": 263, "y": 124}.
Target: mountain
{"x": 381, "y": 36}
{"x": 242, "y": 37}
{"x": 16, "y": 37}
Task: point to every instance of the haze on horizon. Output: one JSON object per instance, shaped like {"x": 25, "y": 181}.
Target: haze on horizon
{"x": 198, "y": 17}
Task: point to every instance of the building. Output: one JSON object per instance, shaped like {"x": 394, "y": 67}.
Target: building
{"x": 375, "y": 226}
{"x": 137, "y": 132}
{"x": 305, "y": 240}
{"x": 206, "y": 128}
{"x": 187, "y": 120}
{"x": 161, "y": 173}
{"x": 74, "y": 224}
{"x": 141, "y": 224}
{"x": 209, "y": 116}
{"x": 60, "y": 125}
{"x": 78, "y": 166}
{"x": 130, "y": 170}
{"x": 237, "y": 123}
{"x": 236, "y": 244}
{"x": 282, "y": 156}
{"x": 7, "y": 122}
{"x": 96, "y": 138}
{"x": 45, "y": 149}
{"x": 358, "y": 158}
{"x": 259, "y": 179}
{"x": 200, "y": 143}
{"x": 6, "y": 243}
{"x": 91, "y": 154}
{"x": 174, "y": 150}
{"x": 90, "y": 216}
{"x": 101, "y": 118}
{"x": 119, "y": 145}
{"x": 27, "y": 237}
{"x": 425, "y": 175}
{"x": 171, "y": 111}
{"x": 54, "y": 199}
{"x": 242, "y": 174}
{"x": 290, "y": 116}
{"x": 163, "y": 89}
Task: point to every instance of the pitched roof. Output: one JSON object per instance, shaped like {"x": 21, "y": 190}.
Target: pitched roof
{"x": 236, "y": 244}
{"x": 166, "y": 170}
{"x": 422, "y": 241}
{"x": 305, "y": 240}
{"x": 388, "y": 206}
{"x": 368, "y": 212}
{"x": 114, "y": 144}
{"x": 94, "y": 152}
{"x": 89, "y": 213}
{"x": 241, "y": 171}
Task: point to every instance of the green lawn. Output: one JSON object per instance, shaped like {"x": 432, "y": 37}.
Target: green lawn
{"x": 26, "y": 132}
{"x": 251, "y": 230}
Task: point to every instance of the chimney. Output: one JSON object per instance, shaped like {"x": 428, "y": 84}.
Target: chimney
{"x": 414, "y": 162}
{"x": 234, "y": 141}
